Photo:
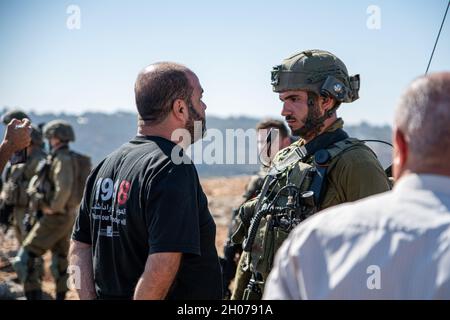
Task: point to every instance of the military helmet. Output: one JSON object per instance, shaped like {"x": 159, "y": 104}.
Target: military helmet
{"x": 14, "y": 114}
{"x": 317, "y": 71}
{"x": 59, "y": 129}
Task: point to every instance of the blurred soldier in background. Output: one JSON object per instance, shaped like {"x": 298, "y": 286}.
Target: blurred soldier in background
{"x": 55, "y": 195}
{"x": 7, "y": 200}
{"x": 14, "y": 198}
{"x": 13, "y": 114}
{"x": 279, "y": 134}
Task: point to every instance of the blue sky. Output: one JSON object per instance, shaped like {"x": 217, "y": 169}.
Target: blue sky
{"x": 231, "y": 45}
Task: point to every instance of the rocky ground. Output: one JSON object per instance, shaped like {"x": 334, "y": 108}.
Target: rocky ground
{"x": 223, "y": 194}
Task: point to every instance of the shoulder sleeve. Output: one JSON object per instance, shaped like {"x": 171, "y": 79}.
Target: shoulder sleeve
{"x": 172, "y": 212}
{"x": 358, "y": 174}
{"x": 62, "y": 178}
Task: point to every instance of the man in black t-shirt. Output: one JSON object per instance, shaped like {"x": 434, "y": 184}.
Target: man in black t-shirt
{"x": 144, "y": 230}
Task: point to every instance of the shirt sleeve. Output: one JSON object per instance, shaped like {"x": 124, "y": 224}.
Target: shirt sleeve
{"x": 172, "y": 212}
{"x": 62, "y": 177}
{"x": 82, "y": 227}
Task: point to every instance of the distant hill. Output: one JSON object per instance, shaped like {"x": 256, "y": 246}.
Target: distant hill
{"x": 98, "y": 134}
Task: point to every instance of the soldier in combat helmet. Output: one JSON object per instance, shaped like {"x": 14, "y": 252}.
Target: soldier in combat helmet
{"x": 14, "y": 195}
{"x": 325, "y": 167}
{"x": 54, "y": 193}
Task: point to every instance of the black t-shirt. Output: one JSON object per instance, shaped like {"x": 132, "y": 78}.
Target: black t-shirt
{"x": 138, "y": 202}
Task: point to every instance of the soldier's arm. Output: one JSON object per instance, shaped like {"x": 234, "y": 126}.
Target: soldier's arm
{"x": 62, "y": 177}
{"x": 358, "y": 175}
{"x": 80, "y": 256}
{"x": 160, "y": 271}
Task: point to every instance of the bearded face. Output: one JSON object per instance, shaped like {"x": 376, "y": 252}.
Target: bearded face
{"x": 312, "y": 123}
{"x": 196, "y": 124}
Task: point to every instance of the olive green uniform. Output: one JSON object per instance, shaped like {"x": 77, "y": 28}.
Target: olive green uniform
{"x": 15, "y": 189}
{"x": 52, "y": 232}
{"x": 353, "y": 174}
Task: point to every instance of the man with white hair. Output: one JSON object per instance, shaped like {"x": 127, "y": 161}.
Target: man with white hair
{"x": 395, "y": 245}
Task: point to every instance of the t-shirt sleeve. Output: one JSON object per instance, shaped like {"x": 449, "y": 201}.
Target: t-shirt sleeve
{"x": 82, "y": 227}
{"x": 172, "y": 213}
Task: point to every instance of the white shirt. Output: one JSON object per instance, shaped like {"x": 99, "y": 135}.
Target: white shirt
{"x": 395, "y": 245}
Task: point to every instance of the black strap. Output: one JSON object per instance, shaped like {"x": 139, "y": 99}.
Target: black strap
{"x": 325, "y": 140}
{"x": 318, "y": 184}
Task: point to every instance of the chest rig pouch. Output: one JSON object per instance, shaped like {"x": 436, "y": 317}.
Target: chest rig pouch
{"x": 292, "y": 192}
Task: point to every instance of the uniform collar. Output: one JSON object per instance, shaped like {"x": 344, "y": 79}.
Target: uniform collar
{"x": 142, "y": 138}
{"x": 338, "y": 124}
{"x": 60, "y": 149}
{"x": 414, "y": 181}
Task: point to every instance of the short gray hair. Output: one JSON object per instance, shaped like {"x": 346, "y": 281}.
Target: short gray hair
{"x": 423, "y": 115}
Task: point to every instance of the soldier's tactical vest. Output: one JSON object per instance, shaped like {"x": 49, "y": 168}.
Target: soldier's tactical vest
{"x": 41, "y": 187}
{"x": 292, "y": 192}
{"x": 15, "y": 188}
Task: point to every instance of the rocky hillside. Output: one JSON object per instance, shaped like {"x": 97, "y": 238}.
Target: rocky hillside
{"x": 98, "y": 134}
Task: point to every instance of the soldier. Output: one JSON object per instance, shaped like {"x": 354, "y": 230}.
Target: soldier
{"x": 396, "y": 243}
{"x": 53, "y": 192}
{"x": 14, "y": 194}
{"x": 322, "y": 169}
{"x": 280, "y": 135}
{"x": 17, "y": 138}
{"x": 14, "y": 114}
